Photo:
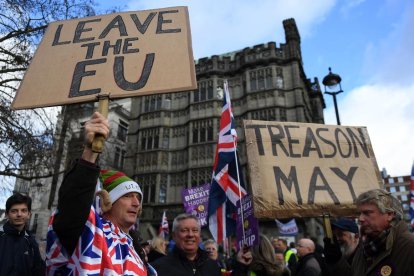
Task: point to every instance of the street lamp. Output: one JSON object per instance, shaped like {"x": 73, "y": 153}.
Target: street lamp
{"x": 332, "y": 81}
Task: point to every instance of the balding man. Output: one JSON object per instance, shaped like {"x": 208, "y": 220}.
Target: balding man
{"x": 308, "y": 264}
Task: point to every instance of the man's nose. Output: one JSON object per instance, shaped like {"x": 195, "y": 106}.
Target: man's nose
{"x": 135, "y": 201}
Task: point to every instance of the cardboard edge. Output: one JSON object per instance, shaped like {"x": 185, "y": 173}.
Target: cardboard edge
{"x": 252, "y": 162}
{"x": 92, "y": 98}
{"x": 190, "y": 51}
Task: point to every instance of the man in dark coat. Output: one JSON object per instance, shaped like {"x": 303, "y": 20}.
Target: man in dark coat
{"x": 212, "y": 248}
{"x": 386, "y": 245}
{"x": 19, "y": 251}
{"x": 346, "y": 240}
{"x": 187, "y": 258}
{"x": 308, "y": 265}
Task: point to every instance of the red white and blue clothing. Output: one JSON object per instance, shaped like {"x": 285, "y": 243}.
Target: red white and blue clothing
{"x": 81, "y": 241}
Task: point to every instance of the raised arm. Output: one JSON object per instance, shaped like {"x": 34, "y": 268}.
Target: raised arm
{"x": 76, "y": 193}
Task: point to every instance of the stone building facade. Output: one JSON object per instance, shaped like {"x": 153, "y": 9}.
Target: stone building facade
{"x": 172, "y": 138}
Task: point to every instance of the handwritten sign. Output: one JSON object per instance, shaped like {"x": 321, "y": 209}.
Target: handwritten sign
{"x": 195, "y": 201}
{"x": 121, "y": 54}
{"x": 305, "y": 170}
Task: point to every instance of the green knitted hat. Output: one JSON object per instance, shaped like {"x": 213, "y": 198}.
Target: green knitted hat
{"x": 118, "y": 184}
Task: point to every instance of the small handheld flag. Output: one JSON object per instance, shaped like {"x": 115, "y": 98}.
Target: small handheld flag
{"x": 164, "y": 230}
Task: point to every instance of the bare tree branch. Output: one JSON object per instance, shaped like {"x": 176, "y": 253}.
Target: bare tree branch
{"x": 27, "y": 136}
{"x": 22, "y": 176}
{"x": 18, "y": 33}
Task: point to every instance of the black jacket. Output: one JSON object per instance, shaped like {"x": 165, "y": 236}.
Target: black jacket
{"x": 154, "y": 255}
{"x": 308, "y": 266}
{"x": 19, "y": 253}
{"x": 176, "y": 263}
{"x": 76, "y": 195}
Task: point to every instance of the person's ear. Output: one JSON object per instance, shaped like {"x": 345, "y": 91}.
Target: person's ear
{"x": 391, "y": 216}
{"x": 106, "y": 203}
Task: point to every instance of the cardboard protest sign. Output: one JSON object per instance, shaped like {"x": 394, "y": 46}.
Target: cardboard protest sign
{"x": 121, "y": 54}
{"x": 195, "y": 201}
{"x": 306, "y": 170}
{"x": 248, "y": 223}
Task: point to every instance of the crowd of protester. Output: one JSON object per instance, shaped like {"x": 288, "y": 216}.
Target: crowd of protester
{"x": 91, "y": 236}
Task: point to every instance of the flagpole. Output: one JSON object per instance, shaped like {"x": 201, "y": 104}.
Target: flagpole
{"x": 240, "y": 196}
{"x": 237, "y": 166}
{"x": 412, "y": 197}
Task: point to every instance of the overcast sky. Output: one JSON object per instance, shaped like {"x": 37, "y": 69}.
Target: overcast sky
{"x": 369, "y": 43}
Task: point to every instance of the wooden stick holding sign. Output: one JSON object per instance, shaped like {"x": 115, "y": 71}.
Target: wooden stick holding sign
{"x": 327, "y": 226}
{"x": 98, "y": 141}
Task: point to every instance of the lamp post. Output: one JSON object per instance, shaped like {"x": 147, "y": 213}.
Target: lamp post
{"x": 332, "y": 81}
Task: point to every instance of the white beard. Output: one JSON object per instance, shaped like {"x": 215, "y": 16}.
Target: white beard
{"x": 346, "y": 249}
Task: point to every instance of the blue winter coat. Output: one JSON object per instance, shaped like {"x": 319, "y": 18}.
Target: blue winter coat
{"x": 19, "y": 253}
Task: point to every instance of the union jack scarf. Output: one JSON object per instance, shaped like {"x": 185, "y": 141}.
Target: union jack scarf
{"x": 102, "y": 249}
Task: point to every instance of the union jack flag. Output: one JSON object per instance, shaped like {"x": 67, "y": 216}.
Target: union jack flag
{"x": 412, "y": 197}
{"x": 164, "y": 230}
{"x": 102, "y": 249}
{"x": 227, "y": 181}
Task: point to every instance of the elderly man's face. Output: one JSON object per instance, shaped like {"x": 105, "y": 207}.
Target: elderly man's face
{"x": 372, "y": 221}
{"x": 303, "y": 247}
{"x": 187, "y": 236}
{"x": 348, "y": 241}
{"x": 343, "y": 237}
{"x": 212, "y": 251}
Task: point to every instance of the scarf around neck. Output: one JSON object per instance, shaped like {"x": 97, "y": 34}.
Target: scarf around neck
{"x": 372, "y": 246}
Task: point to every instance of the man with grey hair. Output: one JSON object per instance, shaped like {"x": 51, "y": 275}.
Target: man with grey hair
{"x": 212, "y": 248}
{"x": 187, "y": 258}
{"x": 387, "y": 245}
